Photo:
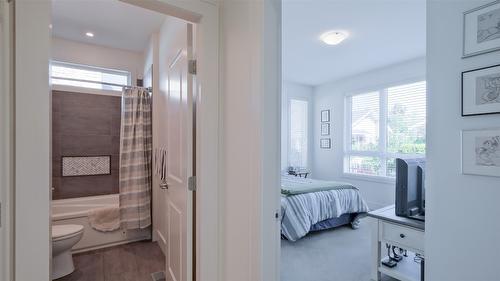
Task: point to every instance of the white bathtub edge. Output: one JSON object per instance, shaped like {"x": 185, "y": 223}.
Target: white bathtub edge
{"x": 118, "y": 243}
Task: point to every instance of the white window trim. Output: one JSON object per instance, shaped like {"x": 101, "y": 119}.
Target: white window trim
{"x": 82, "y": 90}
{"x": 382, "y": 153}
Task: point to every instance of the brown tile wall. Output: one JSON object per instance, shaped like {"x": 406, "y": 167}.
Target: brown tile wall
{"x": 85, "y": 125}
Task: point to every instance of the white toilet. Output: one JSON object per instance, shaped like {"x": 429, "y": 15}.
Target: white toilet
{"x": 64, "y": 237}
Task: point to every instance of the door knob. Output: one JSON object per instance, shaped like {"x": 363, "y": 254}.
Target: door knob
{"x": 164, "y": 185}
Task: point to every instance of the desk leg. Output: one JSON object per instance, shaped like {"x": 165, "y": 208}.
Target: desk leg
{"x": 376, "y": 250}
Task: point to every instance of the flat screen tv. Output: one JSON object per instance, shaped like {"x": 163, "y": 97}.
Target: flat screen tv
{"x": 410, "y": 188}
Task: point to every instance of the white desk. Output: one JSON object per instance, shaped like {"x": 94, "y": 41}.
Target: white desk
{"x": 398, "y": 231}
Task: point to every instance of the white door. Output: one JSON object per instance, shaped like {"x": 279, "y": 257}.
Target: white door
{"x": 178, "y": 128}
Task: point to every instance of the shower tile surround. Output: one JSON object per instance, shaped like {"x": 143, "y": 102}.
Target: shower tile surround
{"x": 85, "y": 125}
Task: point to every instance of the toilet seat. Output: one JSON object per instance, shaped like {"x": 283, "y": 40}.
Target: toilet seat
{"x": 60, "y": 232}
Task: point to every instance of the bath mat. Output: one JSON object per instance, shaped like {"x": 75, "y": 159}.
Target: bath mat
{"x": 158, "y": 276}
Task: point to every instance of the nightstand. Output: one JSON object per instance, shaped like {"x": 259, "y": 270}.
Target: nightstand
{"x": 405, "y": 233}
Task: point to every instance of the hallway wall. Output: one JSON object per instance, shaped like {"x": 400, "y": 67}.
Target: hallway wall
{"x": 462, "y": 210}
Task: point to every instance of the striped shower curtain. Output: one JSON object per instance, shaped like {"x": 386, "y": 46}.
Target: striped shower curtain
{"x": 135, "y": 159}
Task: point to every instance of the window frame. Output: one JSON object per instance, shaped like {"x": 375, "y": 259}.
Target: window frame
{"x": 90, "y": 68}
{"x": 289, "y": 129}
{"x": 382, "y": 152}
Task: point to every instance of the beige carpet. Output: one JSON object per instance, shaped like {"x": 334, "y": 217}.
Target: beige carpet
{"x": 340, "y": 254}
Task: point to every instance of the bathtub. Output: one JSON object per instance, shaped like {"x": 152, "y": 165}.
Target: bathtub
{"x": 75, "y": 210}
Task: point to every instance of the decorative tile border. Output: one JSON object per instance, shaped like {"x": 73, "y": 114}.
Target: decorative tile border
{"x": 73, "y": 166}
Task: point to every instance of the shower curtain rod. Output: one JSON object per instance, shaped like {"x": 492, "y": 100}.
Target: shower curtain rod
{"x": 150, "y": 89}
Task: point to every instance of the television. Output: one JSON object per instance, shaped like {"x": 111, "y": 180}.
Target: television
{"x": 410, "y": 188}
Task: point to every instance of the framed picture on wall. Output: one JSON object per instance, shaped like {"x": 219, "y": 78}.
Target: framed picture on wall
{"x": 325, "y": 143}
{"x": 325, "y": 129}
{"x": 481, "y": 30}
{"x": 325, "y": 115}
{"x": 481, "y": 152}
{"x": 481, "y": 91}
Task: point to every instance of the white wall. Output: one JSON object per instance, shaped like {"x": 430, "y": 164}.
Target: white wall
{"x": 462, "y": 225}
{"x": 328, "y": 163}
{"x": 94, "y": 55}
{"x": 292, "y": 90}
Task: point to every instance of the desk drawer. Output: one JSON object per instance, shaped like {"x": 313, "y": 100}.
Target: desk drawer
{"x": 405, "y": 236}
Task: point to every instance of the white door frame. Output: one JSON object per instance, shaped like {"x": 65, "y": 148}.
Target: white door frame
{"x": 6, "y": 139}
{"x": 251, "y": 88}
{"x": 32, "y": 122}
{"x": 32, "y": 130}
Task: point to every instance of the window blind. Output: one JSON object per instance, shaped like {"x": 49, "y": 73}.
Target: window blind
{"x": 406, "y": 115}
{"x": 384, "y": 125}
{"x": 76, "y": 75}
{"x": 365, "y": 115}
{"x": 298, "y": 133}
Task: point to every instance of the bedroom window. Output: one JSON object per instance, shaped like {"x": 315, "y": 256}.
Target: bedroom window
{"x": 77, "y": 75}
{"x": 383, "y": 125}
{"x": 297, "y": 154}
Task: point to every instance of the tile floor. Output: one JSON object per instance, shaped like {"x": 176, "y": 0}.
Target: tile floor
{"x": 129, "y": 262}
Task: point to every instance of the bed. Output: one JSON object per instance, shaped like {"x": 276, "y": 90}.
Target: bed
{"x": 311, "y": 205}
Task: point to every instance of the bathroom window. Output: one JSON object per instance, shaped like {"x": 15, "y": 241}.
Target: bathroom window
{"x": 77, "y": 75}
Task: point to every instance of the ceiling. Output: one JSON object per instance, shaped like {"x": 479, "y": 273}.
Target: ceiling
{"x": 114, "y": 24}
{"x": 382, "y": 32}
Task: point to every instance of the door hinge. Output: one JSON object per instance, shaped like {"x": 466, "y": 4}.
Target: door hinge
{"x": 192, "y": 67}
{"x": 192, "y": 183}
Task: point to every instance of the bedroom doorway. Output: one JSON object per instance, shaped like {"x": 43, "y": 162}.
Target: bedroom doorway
{"x": 353, "y": 99}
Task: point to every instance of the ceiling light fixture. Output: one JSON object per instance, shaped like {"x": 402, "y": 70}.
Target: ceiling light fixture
{"x": 333, "y": 37}
{"x": 89, "y": 34}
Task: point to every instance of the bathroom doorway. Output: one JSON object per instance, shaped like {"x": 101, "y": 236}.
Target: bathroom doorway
{"x": 122, "y": 123}
{"x": 189, "y": 13}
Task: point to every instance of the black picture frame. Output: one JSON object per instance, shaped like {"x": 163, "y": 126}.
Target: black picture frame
{"x": 325, "y": 115}
{"x": 325, "y": 143}
{"x": 463, "y": 114}
{"x": 465, "y": 35}
{"x": 327, "y": 126}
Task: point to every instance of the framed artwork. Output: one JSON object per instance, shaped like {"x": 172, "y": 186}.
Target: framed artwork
{"x": 325, "y": 143}
{"x": 481, "y": 152}
{"x": 325, "y": 129}
{"x": 481, "y": 91}
{"x": 481, "y": 30}
{"x": 325, "y": 115}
